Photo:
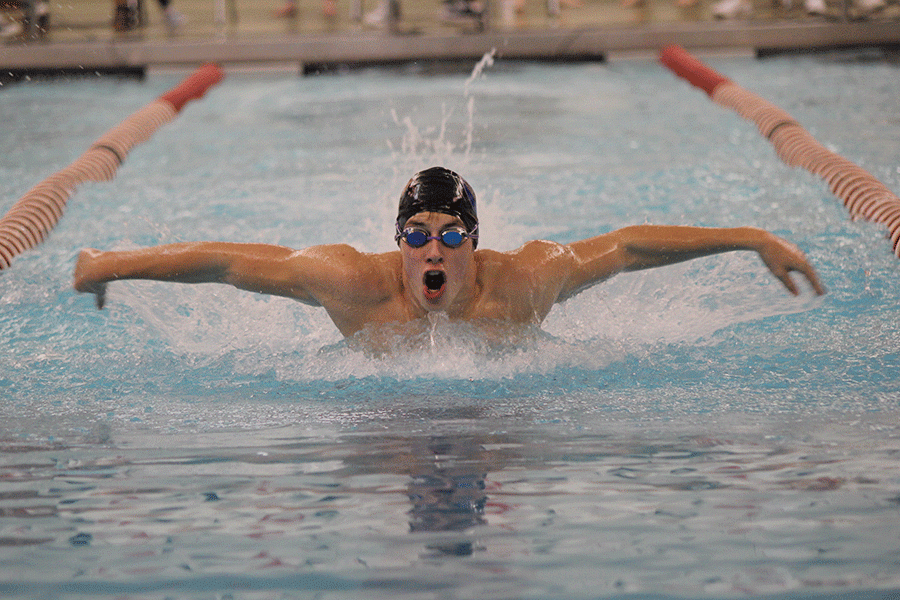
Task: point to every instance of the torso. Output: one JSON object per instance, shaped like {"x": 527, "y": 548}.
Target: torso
{"x": 511, "y": 288}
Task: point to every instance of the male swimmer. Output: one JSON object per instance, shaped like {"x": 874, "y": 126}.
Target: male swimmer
{"x": 437, "y": 267}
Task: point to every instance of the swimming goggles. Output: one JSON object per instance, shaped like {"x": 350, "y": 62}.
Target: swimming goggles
{"x": 453, "y": 237}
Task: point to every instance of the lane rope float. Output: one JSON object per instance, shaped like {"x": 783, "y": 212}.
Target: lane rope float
{"x": 863, "y": 195}
{"x": 35, "y": 214}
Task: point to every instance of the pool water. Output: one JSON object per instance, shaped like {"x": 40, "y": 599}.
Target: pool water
{"x": 687, "y": 432}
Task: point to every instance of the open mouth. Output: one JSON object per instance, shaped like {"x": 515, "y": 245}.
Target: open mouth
{"x": 434, "y": 284}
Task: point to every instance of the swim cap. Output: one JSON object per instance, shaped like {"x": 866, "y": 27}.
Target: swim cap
{"x": 439, "y": 190}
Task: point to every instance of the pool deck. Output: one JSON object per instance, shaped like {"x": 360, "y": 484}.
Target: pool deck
{"x": 81, "y": 36}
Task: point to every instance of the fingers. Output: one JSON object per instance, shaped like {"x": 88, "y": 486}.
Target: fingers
{"x": 784, "y": 276}
{"x": 813, "y": 279}
{"x": 100, "y": 296}
{"x": 801, "y": 265}
{"x": 788, "y": 258}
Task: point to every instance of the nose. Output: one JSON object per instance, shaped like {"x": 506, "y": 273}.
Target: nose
{"x": 433, "y": 252}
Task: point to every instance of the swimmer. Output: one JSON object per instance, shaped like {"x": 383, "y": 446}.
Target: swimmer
{"x": 437, "y": 268}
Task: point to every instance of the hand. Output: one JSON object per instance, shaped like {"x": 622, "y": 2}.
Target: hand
{"x": 782, "y": 257}
{"x": 85, "y": 280}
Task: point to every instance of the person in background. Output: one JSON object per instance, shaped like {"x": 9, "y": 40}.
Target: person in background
{"x": 10, "y": 28}
{"x": 736, "y": 9}
{"x": 128, "y": 15}
{"x": 289, "y": 9}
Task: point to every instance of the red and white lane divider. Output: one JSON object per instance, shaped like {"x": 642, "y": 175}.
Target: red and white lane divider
{"x": 31, "y": 219}
{"x": 863, "y": 195}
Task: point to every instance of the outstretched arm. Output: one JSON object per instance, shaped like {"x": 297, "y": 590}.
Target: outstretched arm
{"x": 255, "y": 267}
{"x": 647, "y": 246}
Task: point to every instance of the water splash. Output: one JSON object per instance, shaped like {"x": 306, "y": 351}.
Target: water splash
{"x": 429, "y": 144}
{"x": 416, "y": 147}
{"x": 486, "y": 61}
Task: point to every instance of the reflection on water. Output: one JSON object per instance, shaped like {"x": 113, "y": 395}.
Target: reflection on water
{"x": 446, "y": 484}
{"x": 457, "y": 503}
{"x": 450, "y": 497}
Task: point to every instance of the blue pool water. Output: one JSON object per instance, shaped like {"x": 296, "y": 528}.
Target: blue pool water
{"x": 688, "y": 432}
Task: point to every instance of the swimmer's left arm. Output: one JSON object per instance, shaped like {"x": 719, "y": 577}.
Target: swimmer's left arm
{"x": 647, "y": 246}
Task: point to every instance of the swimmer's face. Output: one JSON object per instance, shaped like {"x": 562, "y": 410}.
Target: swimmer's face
{"x": 436, "y": 277}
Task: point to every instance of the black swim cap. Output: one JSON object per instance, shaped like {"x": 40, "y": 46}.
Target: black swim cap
{"x": 439, "y": 190}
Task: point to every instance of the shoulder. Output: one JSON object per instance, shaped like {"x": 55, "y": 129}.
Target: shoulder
{"x": 538, "y": 264}
{"x": 345, "y": 256}
{"x": 528, "y": 257}
{"x": 544, "y": 250}
{"x": 330, "y": 252}
{"x": 526, "y": 281}
{"x": 341, "y": 270}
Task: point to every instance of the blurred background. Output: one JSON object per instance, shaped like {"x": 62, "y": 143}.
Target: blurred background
{"x": 117, "y": 33}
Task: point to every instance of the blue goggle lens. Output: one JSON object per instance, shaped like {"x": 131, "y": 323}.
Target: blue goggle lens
{"x": 452, "y": 238}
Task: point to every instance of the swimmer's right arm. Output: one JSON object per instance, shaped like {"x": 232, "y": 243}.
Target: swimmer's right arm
{"x": 261, "y": 268}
